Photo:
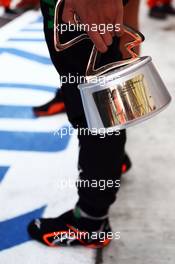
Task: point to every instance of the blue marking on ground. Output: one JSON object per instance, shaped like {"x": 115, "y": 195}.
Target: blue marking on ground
{"x": 46, "y": 88}
{"x": 38, "y": 20}
{"x": 13, "y": 231}
{"x": 34, "y": 141}
{"x": 27, "y": 39}
{"x": 31, "y": 30}
{"x": 3, "y": 171}
{"x": 13, "y": 111}
{"x": 27, "y": 55}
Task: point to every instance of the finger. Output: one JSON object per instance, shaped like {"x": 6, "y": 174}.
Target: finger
{"x": 98, "y": 41}
{"x": 118, "y": 26}
{"x": 107, "y": 37}
{"x": 119, "y": 32}
{"x": 118, "y": 29}
{"x": 68, "y": 14}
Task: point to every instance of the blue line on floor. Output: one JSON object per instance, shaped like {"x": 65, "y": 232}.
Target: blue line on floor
{"x": 14, "y": 111}
{"x": 31, "y": 30}
{"x": 38, "y": 87}
{"x": 27, "y": 55}
{"x": 27, "y": 39}
{"x": 34, "y": 141}
{"x": 3, "y": 171}
{"x": 38, "y": 20}
{"x": 13, "y": 231}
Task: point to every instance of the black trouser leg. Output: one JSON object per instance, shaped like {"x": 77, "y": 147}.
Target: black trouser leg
{"x": 100, "y": 161}
{"x": 99, "y": 158}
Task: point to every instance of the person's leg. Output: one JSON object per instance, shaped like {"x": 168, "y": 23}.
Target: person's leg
{"x": 8, "y": 12}
{"x": 53, "y": 107}
{"x": 5, "y": 3}
{"x": 100, "y": 164}
{"x": 100, "y": 159}
{"x": 28, "y": 4}
{"x": 160, "y": 8}
{"x": 168, "y": 7}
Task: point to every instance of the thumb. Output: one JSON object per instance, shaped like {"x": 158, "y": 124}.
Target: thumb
{"x": 68, "y": 13}
{"x": 118, "y": 27}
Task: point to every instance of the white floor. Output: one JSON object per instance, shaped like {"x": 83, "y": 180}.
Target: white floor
{"x": 33, "y": 178}
{"x": 144, "y": 213}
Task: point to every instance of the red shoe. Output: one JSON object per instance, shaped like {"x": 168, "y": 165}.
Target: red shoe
{"x": 55, "y": 106}
{"x": 126, "y": 166}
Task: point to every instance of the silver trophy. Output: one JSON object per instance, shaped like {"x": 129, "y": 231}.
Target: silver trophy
{"x": 120, "y": 94}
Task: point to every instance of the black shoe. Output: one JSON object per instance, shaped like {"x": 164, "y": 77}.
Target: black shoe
{"x": 169, "y": 9}
{"x": 10, "y": 14}
{"x": 55, "y": 106}
{"x": 158, "y": 12}
{"x": 10, "y": 11}
{"x": 126, "y": 166}
{"x": 66, "y": 230}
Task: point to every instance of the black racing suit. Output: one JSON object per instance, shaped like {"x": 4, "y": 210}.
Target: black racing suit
{"x": 99, "y": 158}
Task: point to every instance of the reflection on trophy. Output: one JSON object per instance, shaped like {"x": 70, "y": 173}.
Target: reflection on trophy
{"x": 103, "y": 101}
{"x": 136, "y": 97}
{"x": 118, "y": 104}
{"x": 121, "y": 103}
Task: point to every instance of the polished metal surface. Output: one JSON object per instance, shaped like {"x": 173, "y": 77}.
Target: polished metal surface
{"x": 127, "y": 96}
